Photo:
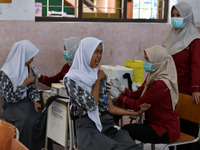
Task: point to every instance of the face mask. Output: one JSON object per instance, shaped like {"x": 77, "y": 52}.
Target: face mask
{"x": 147, "y": 66}
{"x": 177, "y": 22}
{"x": 67, "y": 57}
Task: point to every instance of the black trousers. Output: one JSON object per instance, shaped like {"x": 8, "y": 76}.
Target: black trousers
{"x": 145, "y": 134}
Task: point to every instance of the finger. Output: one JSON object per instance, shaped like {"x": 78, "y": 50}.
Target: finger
{"x": 196, "y": 100}
{"x": 30, "y": 70}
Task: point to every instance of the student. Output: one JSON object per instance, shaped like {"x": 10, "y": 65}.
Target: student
{"x": 21, "y": 100}
{"x": 160, "y": 90}
{"x": 183, "y": 44}
{"x": 91, "y": 103}
{"x": 70, "y": 48}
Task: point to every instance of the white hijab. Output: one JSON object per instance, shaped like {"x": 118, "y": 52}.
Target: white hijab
{"x": 14, "y": 67}
{"x": 179, "y": 39}
{"x": 166, "y": 71}
{"x": 83, "y": 74}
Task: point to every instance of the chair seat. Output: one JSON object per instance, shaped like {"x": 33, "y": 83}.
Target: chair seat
{"x": 184, "y": 137}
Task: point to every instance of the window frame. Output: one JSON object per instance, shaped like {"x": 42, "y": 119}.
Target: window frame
{"x": 124, "y": 19}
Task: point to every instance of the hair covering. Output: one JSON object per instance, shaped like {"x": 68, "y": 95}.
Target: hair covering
{"x": 14, "y": 67}
{"x": 179, "y": 39}
{"x": 83, "y": 74}
{"x": 71, "y": 45}
{"x": 166, "y": 71}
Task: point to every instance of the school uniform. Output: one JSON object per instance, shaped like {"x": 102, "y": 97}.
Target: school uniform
{"x": 18, "y": 107}
{"x": 93, "y": 118}
{"x": 88, "y": 136}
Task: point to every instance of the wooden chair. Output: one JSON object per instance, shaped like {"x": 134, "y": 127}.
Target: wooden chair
{"x": 17, "y": 145}
{"x": 8, "y": 132}
{"x": 188, "y": 111}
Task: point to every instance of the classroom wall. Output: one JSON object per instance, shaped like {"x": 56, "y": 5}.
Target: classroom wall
{"x": 122, "y": 40}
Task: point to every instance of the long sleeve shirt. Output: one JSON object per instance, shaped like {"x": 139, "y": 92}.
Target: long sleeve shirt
{"x": 7, "y": 93}
{"x": 160, "y": 116}
{"x": 188, "y": 68}
{"x": 54, "y": 79}
{"x": 83, "y": 101}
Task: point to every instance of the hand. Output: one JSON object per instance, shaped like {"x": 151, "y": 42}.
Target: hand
{"x": 101, "y": 74}
{"x": 29, "y": 79}
{"x": 195, "y": 97}
{"x": 35, "y": 72}
{"x": 144, "y": 107}
{"x": 37, "y": 106}
{"x": 113, "y": 91}
{"x": 116, "y": 83}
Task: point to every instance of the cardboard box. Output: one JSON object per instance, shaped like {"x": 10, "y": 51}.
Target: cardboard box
{"x": 113, "y": 71}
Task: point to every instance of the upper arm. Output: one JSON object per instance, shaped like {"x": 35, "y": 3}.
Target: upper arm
{"x": 6, "y": 89}
{"x": 195, "y": 64}
{"x": 78, "y": 95}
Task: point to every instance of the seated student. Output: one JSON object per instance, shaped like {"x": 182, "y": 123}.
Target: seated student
{"x": 70, "y": 47}
{"x": 160, "y": 90}
{"x": 21, "y": 100}
{"x": 91, "y": 103}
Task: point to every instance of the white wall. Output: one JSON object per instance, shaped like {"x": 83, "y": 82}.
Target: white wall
{"x": 18, "y": 10}
{"x": 25, "y": 9}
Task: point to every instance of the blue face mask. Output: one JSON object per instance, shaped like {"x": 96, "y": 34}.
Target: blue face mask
{"x": 177, "y": 22}
{"x": 147, "y": 67}
{"x": 67, "y": 57}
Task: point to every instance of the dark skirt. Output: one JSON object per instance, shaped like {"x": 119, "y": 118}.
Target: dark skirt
{"x": 90, "y": 138}
{"x": 31, "y": 124}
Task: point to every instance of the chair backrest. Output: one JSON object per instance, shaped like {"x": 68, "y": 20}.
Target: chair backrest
{"x": 187, "y": 110}
{"x": 17, "y": 145}
{"x": 7, "y": 134}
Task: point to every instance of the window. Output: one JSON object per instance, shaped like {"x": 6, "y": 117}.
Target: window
{"x": 102, "y": 10}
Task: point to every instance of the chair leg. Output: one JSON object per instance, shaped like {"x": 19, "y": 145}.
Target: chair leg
{"x": 142, "y": 146}
{"x": 175, "y": 147}
{"x": 153, "y": 147}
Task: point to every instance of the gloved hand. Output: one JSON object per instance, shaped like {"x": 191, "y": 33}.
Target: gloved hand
{"x": 113, "y": 91}
{"x": 35, "y": 72}
{"x": 117, "y": 84}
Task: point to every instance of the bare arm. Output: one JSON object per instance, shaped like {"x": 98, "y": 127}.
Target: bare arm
{"x": 119, "y": 111}
{"x": 95, "y": 90}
